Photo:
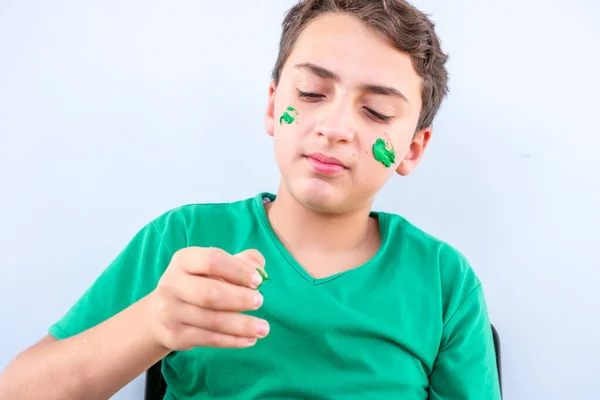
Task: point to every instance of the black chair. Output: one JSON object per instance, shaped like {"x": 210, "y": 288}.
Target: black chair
{"x": 156, "y": 386}
{"x": 498, "y": 358}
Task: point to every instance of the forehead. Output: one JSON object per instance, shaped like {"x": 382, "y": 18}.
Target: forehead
{"x": 342, "y": 44}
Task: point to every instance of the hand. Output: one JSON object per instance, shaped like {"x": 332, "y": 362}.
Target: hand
{"x": 200, "y": 297}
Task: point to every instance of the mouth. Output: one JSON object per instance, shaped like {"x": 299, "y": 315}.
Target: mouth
{"x": 325, "y": 165}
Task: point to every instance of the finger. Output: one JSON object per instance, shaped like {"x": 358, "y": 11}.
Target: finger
{"x": 218, "y": 263}
{"x": 215, "y": 277}
{"x": 226, "y": 322}
{"x": 255, "y": 260}
{"x": 217, "y": 295}
{"x": 190, "y": 336}
{"x": 253, "y": 257}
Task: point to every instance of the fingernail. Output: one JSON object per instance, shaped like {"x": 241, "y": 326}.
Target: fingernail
{"x": 250, "y": 342}
{"x": 257, "y": 300}
{"x": 262, "y": 329}
{"x": 256, "y": 279}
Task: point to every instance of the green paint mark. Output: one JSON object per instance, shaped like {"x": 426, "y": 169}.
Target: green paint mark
{"x": 264, "y": 277}
{"x": 288, "y": 116}
{"x": 384, "y": 153}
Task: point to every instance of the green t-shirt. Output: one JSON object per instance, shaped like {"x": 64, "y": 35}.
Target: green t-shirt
{"x": 409, "y": 324}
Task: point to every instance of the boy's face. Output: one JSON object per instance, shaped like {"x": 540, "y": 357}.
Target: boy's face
{"x": 344, "y": 115}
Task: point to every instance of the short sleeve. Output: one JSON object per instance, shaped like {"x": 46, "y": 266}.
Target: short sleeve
{"x": 465, "y": 367}
{"x": 133, "y": 274}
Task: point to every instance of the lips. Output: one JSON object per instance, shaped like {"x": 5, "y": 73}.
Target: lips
{"x": 326, "y": 160}
{"x": 322, "y": 165}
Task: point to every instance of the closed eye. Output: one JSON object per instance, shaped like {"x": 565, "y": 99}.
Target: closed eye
{"x": 310, "y": 96}
{"x": 377, "y": 116}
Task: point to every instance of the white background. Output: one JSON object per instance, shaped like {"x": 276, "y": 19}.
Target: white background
{"x": 112, "y": 113}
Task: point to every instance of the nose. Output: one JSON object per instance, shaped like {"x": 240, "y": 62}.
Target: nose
{"x": 336, "y": 124}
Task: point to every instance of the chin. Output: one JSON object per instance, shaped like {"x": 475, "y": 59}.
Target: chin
{"x": 322, "y": 197}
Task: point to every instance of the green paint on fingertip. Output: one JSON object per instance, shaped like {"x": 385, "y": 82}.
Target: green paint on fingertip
{"x": 264, "y": 277}
{"x": 384, "y": 152}
{"x": 288, "y": 116}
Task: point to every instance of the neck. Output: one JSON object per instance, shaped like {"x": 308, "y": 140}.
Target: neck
{"x": 302, "y": 228}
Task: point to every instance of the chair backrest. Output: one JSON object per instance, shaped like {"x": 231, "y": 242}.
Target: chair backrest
{"x": 156, "y": 386}
{"x": 497, "y": 348}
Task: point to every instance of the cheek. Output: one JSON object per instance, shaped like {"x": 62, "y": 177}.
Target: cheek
{"x": 286, "y": 140}
{"x": 372, "y": 170}
{"x": 292, "y": 123}
{"x": 383, "y": 151}
{"x": 371, "y": 175}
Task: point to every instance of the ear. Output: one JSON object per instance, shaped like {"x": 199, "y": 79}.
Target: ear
{"x": 270, "y": 114}
{"x": 415, "y": 152}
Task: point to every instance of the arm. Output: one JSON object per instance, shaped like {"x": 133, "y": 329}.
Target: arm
{"x": 465, "y": 367}
{"x": 104, "y": 339}
{"x": 147, "y": 303}
{"x": 94, "y": 364}
{"x": 187, "y": 309}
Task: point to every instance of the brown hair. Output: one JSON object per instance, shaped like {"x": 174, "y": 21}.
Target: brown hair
{"x": 404, "y": 26}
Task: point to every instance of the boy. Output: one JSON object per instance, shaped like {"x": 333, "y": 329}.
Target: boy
{"x": 379, "y": 308}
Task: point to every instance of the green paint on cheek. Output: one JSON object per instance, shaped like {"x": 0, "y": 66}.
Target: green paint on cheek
{"x": 288, "y": 116}
{"x": 384, "y": 153}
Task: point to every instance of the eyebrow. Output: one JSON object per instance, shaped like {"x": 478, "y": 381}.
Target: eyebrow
{"x": 319, "y": 71}
{"x": 384, "y": 90}
{"x": 327, "y": 74}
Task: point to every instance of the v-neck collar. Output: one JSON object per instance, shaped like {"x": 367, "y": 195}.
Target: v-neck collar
{"x": 259, "y": 205}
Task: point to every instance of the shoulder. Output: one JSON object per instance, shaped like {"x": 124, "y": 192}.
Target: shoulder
{"x": 447, "y": 269}
{"x": 198, "y": 223}
{"x": 190, "y": 213}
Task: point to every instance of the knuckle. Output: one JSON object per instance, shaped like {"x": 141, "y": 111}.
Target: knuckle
{"x": 178, "y": 261}
{"x": 211, "y": 296}
{"x": 161, "y": 290}
{"x": 212, "y": 339}
{"x": 179, "y": 256}
{"x": 216, "y": 321}
{"x": 184, "y": 258}
{"x": 244, "y": 274}
{"x": 172, "y": 330}
{"x": 249, "y": 327}
{"x": 257, "y": 257}
{"x": 162, "y": 308}
{"x": 163, "y": 296}
{"x": 170, "y": 337}
{"x": 213, "y": 257}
